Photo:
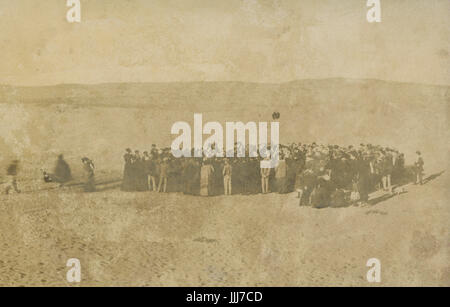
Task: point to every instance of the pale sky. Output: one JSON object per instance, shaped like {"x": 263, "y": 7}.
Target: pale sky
{"x": 222, "y": 40}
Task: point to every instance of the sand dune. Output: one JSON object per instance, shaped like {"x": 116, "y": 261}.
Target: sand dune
{"x": 148, "y": 239}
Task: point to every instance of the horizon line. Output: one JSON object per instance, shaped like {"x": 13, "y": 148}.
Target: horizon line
{"x": 225, "y": 81}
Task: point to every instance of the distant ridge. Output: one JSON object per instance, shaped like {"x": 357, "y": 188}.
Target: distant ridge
{"x": 223, "y": 94}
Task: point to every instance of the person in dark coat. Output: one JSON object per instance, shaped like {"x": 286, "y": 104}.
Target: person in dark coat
{"x": 293, "y": 166}
{"x": 62, "y": 172}
{"x": 11, "y": 172}
{"x": 306, "y": 184}
{"x": 281, "y": 175}
{"x": 388, "y": 167}
{"x": 217, "y": 187}
{"x": 140, "y": 172}
{"x": 236, "y": 176}
{"x": 255, "y": 176}
{"x": 163, "y": 175}
{"x": 127, "y": 181}
{"x": 398, "y": 174}
{"x": 88, "y": 167}
{"x": 365, "y": 171}
{"x": 187, "y": 175}
{"x": 195, "y": 179}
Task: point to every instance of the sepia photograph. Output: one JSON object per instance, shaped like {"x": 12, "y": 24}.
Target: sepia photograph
{"x": 213, "y": 144}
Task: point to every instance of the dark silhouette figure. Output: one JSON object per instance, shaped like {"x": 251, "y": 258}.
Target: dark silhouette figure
{"x": 62, "y": 173}
{"x": 11, "y": 172}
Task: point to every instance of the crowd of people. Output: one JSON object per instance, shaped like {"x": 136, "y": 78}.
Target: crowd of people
{"x": 323, "y": 175}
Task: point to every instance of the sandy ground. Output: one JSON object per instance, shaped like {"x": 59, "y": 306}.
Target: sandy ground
{"x": 150, "y": 239}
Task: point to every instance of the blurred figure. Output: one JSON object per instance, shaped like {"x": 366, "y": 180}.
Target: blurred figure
{"x": 62, "y": 173}
{"x": 11, "y": 172}
{"x": 163, "y": 175}
{"x": 47, "y": 176}
{"x": 265, "y": 173}
{"x": 418, "y": 168}
{"x": 140, "y": 173}
{"x": 88, "y": 167}
{"x": 388, "y": 167}
{"x": 280, "y": 175}
{"x": 206, "y": 173}
{"x": 227, "y": 172}
{"x": 150, "y": 170}
{"x": 127, "y": 181}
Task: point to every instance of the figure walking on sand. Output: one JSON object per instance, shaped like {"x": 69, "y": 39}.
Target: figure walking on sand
{"x": 88, "y": 167}
{"x": 418, "y": 168}
{"x": 62, "y": 173}
{"x": 11, "y": 172}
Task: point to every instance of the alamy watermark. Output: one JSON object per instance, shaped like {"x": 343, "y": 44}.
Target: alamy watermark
{"x": 374, "y": 13}
{"x": 74, "y": 13}
{"x": 374, "y": 273}
{"x": 74, "y": 273}
{"x": 213, "y": 146}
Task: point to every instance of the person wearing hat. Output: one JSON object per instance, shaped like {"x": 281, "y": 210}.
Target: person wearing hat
{"x": 418, "y": 168}
{"x": 127, "y": 180}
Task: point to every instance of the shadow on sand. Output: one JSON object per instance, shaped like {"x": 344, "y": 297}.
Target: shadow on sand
{"x": 385, "y": 197}
{"x": 432, "y": 177}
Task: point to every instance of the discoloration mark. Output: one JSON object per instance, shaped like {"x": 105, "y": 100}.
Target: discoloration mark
{"x": 424, "y": 245}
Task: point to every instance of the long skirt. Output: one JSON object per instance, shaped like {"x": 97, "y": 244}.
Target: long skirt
{"x": 128, "y": 181}
{"x": 89, "y": 185}
{"x": 281, "y": 185}
{"x": 205, "y": 182}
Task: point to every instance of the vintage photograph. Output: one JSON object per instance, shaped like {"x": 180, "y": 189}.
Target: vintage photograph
{"x": 237, "y": 143}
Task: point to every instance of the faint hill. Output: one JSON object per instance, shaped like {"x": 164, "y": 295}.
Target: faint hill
{"x": 218, "y": 95}
{"x": 101, "y": 120}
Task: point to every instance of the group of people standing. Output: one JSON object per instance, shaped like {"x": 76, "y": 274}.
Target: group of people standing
{"x": 323, "y": 175}
{"x": 144, "y": 172}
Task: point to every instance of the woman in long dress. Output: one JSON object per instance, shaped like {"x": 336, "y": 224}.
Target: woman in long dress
{"x": 128, "y": 181}
{"x": 206, "y": 173}
{"x": 280, "y": 176}
{"x": 88, "y": 167}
